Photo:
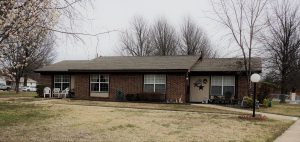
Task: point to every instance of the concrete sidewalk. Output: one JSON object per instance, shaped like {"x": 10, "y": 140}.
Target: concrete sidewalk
{"x": 290, "y": 135}
{"x": 269, "y": 115}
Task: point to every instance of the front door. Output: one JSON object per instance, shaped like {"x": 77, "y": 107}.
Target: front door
{"x": 199, "y": 88}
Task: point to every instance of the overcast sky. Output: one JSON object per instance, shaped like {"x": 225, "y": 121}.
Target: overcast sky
{"x": 106, "y": 15}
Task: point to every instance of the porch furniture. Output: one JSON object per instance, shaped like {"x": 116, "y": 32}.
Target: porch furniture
{"x": 56, "y": 91}
{"x": 47, "y": 91}
{"x": 63, "y": 93}
{"x": 72, "y": 93}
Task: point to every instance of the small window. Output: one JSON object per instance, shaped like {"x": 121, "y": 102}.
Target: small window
{"x": 222, "y": 85}
{"x": 99, "y": 83}
{"x": 155, "y": 83}
{"x": 62, "y": 81}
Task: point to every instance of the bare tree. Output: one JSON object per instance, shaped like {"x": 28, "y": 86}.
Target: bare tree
{"x": 164, "y": 38}
{"x": 242, "y": 18}
{"x": 19, "y": 51}
{"x": 43, "y": 54}
{"x": 136, "y": 41}
{"x": 26, "y": 24}
{"x": 282, "y": 41}
{"x": 24, "y": 54}
{"x": 194, "y": 41}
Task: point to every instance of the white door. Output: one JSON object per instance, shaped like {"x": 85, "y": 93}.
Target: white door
{"x": 199, "y": 88}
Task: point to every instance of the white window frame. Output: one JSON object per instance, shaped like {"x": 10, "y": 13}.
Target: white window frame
{"x": 99, "y": 83}
{"x": 155, "y": 83}
{"x": 222, "y": 93}
{"x": 61, "y": 82}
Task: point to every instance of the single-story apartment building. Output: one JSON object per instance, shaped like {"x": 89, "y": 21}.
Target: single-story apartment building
{"x": 184, "y": 78}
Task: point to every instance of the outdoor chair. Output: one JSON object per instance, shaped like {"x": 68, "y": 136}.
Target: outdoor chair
{"x": 64, "y": 93}
{"x": 47, "y": 91}
{"x": 56, "y": 91}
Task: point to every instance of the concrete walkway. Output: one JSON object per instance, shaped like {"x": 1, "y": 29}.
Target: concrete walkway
{"x": 269, "y": 115}
{"x": 290, "y": 135}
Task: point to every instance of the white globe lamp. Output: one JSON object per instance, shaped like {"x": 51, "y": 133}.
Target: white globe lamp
{"x": 255, "y": 78}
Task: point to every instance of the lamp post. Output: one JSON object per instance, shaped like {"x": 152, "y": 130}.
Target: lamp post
{"x": 254, "y": 78}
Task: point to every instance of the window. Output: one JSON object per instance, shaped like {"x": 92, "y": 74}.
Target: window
{"x": 155, "y": 83}
{"x": 99, "y": 83}
{"x": 221, "y": 85}
{"x": 62, "y": 81}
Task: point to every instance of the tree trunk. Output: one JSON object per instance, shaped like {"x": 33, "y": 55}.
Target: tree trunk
{"x": 25, "y": 80}
{"x": 17, "y": 79}
{"x": 283, "y": 89}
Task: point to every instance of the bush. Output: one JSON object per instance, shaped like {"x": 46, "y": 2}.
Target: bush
{"x": 119, "y": 96}
{"x": 152, "y": 97}
{"x": 132, "y": 97}
{"x": 40, "y": 90}
{"x": 266, "y": 103}
{"x": 247, "y": 102}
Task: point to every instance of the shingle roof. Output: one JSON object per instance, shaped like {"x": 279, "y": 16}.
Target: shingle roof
{"x": 132, "y": 63}
{"x": 226, "y": 64}
{"x": 126, "y": 63}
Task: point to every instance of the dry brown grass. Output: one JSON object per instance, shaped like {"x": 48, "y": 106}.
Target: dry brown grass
{"x": 10, "y": 94}
{"x": 150, "y": 106}
{"x": 283, "y": 109}
{"x": 94, "y": 123}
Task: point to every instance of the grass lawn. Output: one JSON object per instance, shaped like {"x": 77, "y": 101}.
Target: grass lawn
{"x": 283, "y": 109}
{"x": 13, "y": 113}
{"x": 7, "y": 94}
{"x": 150, "y": 106}
{"x": 61, "y": 120}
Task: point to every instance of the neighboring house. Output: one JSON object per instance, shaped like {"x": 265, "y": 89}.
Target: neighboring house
{"x": 30, "y": 83}
{"x": 185, "y": 78}
{"x": 2, "y": 80}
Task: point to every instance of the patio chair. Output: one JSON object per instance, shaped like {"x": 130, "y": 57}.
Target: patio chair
{"x": 56, "y": 91}
{"x": 47, "y": 91}
{"x": 64, "y": 93}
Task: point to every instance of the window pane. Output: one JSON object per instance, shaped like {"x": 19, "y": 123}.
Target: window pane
{"x": 216, "y": 80}
{"x": 216, "y": 90}
{"x": 57, "y": 85}
{"x": 228, "y": 90}
{"x": 57, "y": 78}
{"x": 65, "y": 85}
{"x": 228, "y": 81}
{"x": 65, "y": 78}
{"x": 103, "y": 87}
{"x": 161, "y": 79}
{"x": 149, "y": 79}
{"x": 103, "y": 78}
{"x": 160, "y": 88}
{"x": 148, "y": 88}
{"x": 95, "y": 87}
{"x": 94, "y": 78}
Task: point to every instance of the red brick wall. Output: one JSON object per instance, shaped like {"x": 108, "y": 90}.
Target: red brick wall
{"x": 130, "y": 84}
{"x": 82, "y": 86}
{"x": 242, "y": 86}
{"x": 127, "y": 83}
{"x": 46, "y": 80}
{"x": 176, "y": 87}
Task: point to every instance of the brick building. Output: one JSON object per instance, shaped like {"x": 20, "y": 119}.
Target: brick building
{"x": 176, "y": 78}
